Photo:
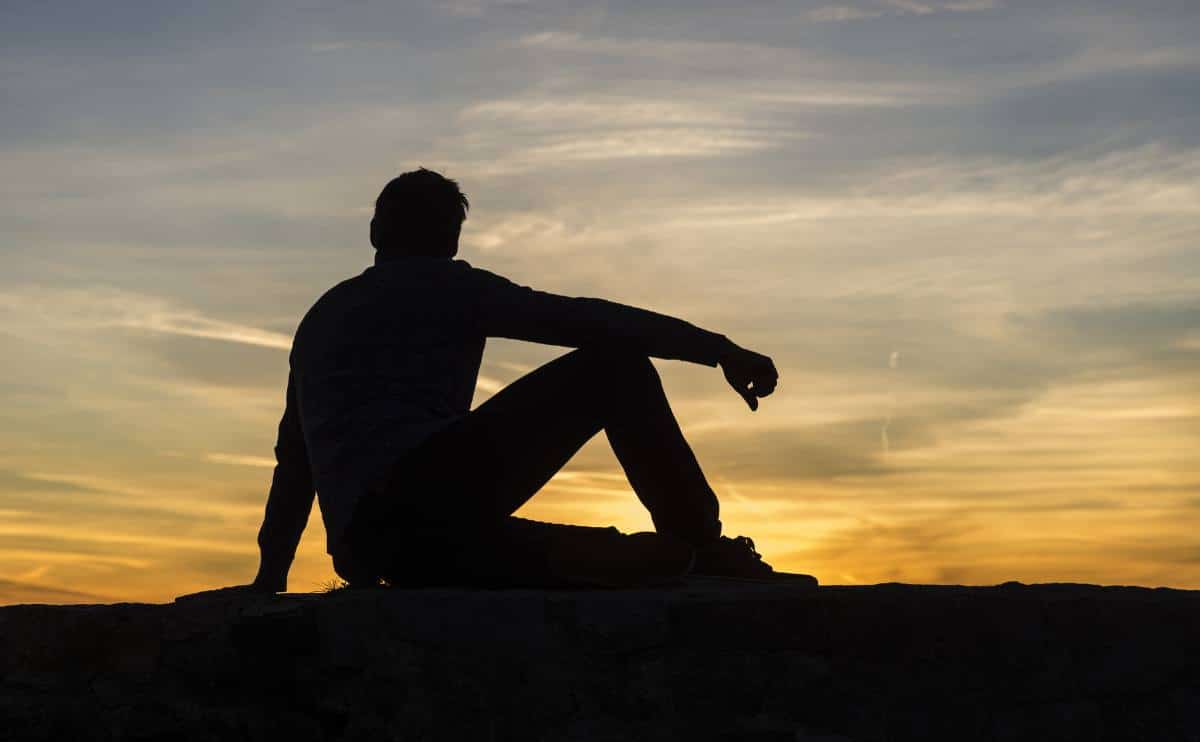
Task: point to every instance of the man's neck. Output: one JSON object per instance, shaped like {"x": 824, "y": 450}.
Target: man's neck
{"x": 391, "y": 256}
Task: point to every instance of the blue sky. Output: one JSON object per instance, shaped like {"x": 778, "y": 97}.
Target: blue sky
{"x": 966, "y": 231}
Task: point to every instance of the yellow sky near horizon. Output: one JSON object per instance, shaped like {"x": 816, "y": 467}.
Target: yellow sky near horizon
{"x": 1075, "y": 488}
{"x": 966, "y": 232}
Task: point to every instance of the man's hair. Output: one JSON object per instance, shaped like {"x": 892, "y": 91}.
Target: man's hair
{"x": 420, "y": 212}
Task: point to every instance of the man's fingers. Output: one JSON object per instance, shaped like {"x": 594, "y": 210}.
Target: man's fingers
{"x": 235, "y": 591}
{"x": 751, "y": 386}
{"x": 750, "y": 398}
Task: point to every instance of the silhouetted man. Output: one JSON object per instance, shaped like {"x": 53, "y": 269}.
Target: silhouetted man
{"x": 416, "y": 488}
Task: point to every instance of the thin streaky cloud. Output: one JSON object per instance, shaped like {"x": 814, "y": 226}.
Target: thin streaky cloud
{"x": 912, "y": 7}
{"x": 492, "y": 158}
{"x": 80, "y": 537}
{"x": 100, "y": 308}
{"x": 1146, "y": 180}
{"x": 192, "y": 325}
{"x": 840, "y": 14}
{"x": 672, "y": 50}
{"x": 17, "y": 591}
{"x": 65, "y": 556}
{"x": 594, "y": 112}
{"x": 234, "y": 459}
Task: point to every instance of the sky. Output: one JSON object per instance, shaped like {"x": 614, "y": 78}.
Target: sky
{"x": 965, "y": 230}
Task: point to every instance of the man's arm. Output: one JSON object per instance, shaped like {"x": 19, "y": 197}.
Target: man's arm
{"x": 505, "y": 309}
{"x": 289, "y": 501}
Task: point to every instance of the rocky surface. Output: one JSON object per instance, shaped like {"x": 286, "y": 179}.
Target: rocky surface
{"x": 708, "y": 660}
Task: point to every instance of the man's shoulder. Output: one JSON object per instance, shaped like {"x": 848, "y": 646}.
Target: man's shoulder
{"x": 337, "y": 292}
{"x": 478, "y": 277}
{"x": 330, "y": 300}
{"x": 460, "y": 266}
{"x": 387, "y": 283}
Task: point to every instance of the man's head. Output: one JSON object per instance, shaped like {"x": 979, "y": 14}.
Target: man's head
{"x": 419, "y": 213}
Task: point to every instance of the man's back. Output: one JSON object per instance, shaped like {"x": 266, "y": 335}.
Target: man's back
{"x": 391, "y": 347}
{"x": 379, "y": 362}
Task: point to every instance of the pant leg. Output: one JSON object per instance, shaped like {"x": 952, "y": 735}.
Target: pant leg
{"x": 467, "y": 479}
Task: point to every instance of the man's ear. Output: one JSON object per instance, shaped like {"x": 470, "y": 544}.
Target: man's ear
{"x": 374, "y": 234}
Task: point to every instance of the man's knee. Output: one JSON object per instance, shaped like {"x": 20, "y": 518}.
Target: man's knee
{"x": 619, "y": 366}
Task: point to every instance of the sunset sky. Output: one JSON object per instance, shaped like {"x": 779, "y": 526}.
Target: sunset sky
{"x": 966, "y": 231}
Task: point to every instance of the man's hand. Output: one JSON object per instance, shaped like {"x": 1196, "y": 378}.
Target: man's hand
{"x": 252, "y": 590}
{"x": 751, "y": 374}
{"x": 271, "y": 578}
{"x": 268, "y": 582}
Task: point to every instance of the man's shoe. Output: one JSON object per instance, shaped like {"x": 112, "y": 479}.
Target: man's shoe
{"x": 609, "y": 558}
{"x": 737, "y": 558}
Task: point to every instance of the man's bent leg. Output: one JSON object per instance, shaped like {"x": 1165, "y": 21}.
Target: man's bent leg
{"x": 468, "y": 477}
{"x": 510, "y": 446}
{"x": 659, "y": 463}
{"x": 517, "y": 552}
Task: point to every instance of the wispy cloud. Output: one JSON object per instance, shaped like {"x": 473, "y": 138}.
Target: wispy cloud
{"x": 18, "y": 591}
{"x": 192, "y": 325}
{"x": 554, "y": 131}
{"x": 234, "y": 459}
{"x": 581, "y": 112}
{"x": 952, "y": 6}
{"x": 1146, "y": 180}
{"x": 100, "y": 308}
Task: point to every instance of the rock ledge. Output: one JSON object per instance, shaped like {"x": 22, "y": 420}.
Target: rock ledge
{"x": 708, "y": 660}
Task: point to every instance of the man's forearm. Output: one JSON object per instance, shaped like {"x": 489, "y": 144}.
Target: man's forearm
{"x": 288, "y": 507}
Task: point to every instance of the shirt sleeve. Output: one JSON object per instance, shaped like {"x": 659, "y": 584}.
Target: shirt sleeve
{"x": 505, "y": 309}
{"x": 290, "y": 500}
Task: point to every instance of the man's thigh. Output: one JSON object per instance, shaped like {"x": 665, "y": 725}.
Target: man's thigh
{"x": 486, "y": 464}
{"x": 456, "y": 491}
{"x": 508, "y": 553}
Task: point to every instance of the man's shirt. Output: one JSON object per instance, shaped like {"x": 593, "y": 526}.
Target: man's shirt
{"x": 386, "y": 358}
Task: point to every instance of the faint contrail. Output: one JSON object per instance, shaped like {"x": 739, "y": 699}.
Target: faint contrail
{"x": 893, "y": 364}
